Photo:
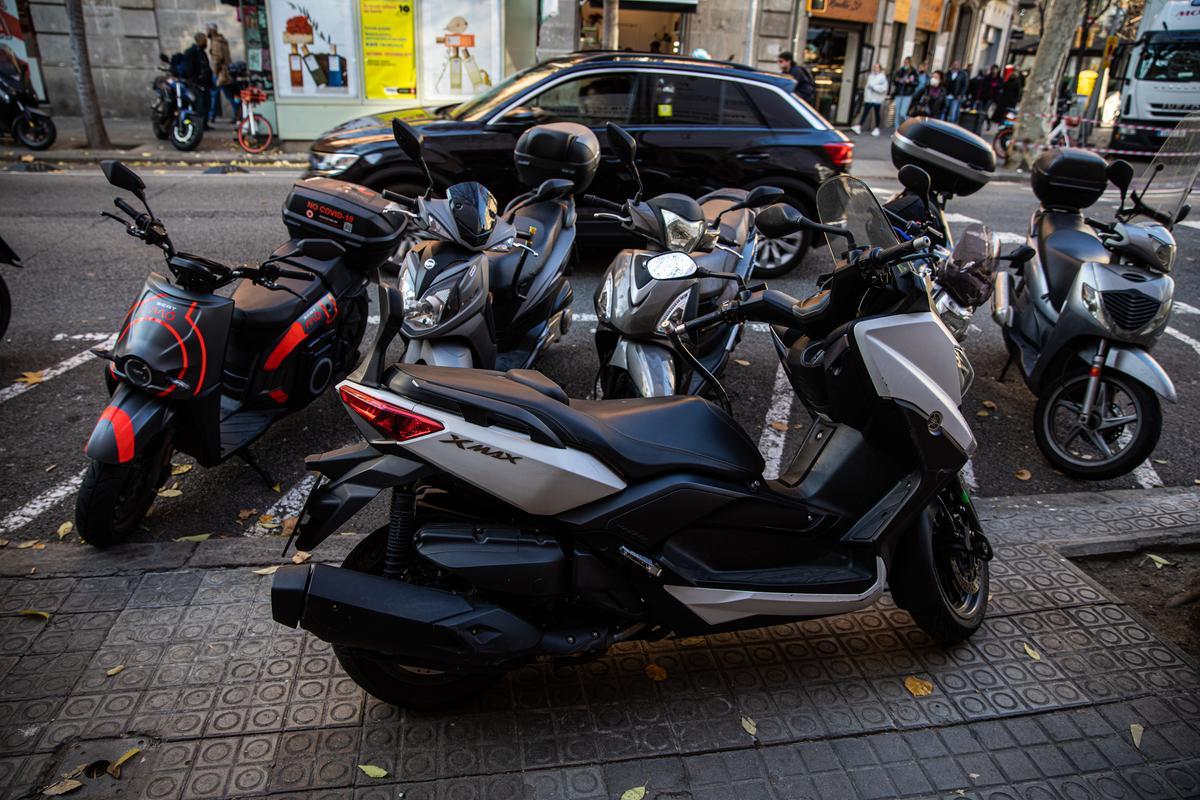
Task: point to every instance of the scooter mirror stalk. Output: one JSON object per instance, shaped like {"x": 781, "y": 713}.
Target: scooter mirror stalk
{"x": 671, "y": 266}
{"x": 412, "y": 143}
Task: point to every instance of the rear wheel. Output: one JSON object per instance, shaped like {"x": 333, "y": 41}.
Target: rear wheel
{"x": 35, "y": 131}
{"x": 389, "y": 680}
{"x": 114, "y": 498}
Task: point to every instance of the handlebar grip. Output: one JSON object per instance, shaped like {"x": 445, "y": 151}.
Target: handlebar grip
{"x": 890, "y": 254}
{"x": 295, "y": 273}
{"x": 704, "y": 320}
{"x": 593, "y": 200}
{"x": 128, "y": 209}
{"x": 388, "y": 194}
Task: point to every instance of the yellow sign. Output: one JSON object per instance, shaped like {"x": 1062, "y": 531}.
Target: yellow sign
{"x": 389, "y": 48}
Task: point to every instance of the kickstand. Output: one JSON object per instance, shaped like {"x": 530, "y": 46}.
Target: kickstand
{"x": 252, "y": 462}
{"x": 1004, "y": 369}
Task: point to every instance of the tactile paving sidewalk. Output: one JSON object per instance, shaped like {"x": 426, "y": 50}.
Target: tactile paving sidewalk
{"x": 225, "y": 703}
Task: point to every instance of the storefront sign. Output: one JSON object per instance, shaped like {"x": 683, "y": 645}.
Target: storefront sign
{"x": 389, "y": 51}
{"x": 314, "y": 52}
{"x": 929, "y": 15}
{"x": 460, "y": 49}
{"x": 848, "y": 10}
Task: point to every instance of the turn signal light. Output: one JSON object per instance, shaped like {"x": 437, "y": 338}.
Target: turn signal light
{"x": 393, "y": 422}
{"x": 840, "y": 153}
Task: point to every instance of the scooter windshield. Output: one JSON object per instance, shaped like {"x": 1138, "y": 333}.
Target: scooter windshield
{"x": 849, "y": 203}
{"x": 1174, "y": 168}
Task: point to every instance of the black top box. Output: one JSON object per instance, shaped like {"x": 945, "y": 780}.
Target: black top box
{"x": 958, "y": 162}
{"x": 1069, "y": 179}
{"x": 558, "y": 150}
{"x": 362, "y": 221}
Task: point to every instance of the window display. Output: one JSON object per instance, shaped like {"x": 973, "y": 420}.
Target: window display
{"x": 318, "y": 53}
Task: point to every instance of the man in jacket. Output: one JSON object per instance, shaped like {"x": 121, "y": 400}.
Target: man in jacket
{"x": 956, "y": 91}
{"x": 218, "y": 54}
{"x": 198, "y": 72}
{"x": 806, "y": 87}
{"x": 904, "y": 84}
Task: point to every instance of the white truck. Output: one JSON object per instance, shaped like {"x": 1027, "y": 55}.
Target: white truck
{"x": 1159, "y": 74}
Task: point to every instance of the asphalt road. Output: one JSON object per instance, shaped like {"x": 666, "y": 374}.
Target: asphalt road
{"x": 83, "y": 272}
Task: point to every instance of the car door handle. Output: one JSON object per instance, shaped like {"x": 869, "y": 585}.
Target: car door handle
{"x": 752, "y": 158}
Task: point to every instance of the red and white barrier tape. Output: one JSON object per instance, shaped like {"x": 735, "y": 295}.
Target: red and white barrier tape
{"x": 1107, "y": 150}
{"x": 1116, "y": 123}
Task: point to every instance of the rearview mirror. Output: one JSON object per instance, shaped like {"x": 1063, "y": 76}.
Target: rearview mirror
{"x": 320, "y": 249}
{"x": 779, "y": 220}
{"x": 1020, "y": 255}
{"x": 1120, "y": 175}
{"x": 1184, "y": 210}
{"x": 671, "y": 266}
{"x": 408, "y": 138}
{"x": 623, "y": 145}
{"x": 552, "y": 189}
{"x": 761, "y": 196}
{"x": 123, "y": 177}
{"x": 915, "y": 179}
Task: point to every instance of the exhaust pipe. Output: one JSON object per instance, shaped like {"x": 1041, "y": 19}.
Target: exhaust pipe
{"x": 419, "y": 625}
{"x": 1002, "y": 310}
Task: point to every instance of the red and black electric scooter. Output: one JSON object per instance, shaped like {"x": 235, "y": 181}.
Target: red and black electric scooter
{"x": 207, "y": 375}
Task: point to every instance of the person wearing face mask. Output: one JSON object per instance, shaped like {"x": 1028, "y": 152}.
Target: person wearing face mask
{"x": 930, "y": 100}
{"x": 873, "y": 96}
{"x": 956, "y": 91}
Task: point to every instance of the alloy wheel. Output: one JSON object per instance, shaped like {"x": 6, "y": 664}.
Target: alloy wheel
{"x": 1109, "y": 430}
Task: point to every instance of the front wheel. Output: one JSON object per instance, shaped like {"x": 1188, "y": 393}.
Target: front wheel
{"x": 187, "y": 132}
{"x": 1120, "y": 433}
{"x": 385, "y": 678}
{"x": 256, "y": 140}
{"x": 114, "y": 498}
{"x": 35, "y": 131}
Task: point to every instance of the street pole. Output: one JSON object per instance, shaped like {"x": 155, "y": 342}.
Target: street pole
{"x": 1042, "y": 87}
{"x": 910, "y": 30}
{"x": 612, "y": 18}
{"x": 89, "y": 105}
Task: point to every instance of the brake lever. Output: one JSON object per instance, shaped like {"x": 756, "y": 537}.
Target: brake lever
{"x": 124, "y": 223}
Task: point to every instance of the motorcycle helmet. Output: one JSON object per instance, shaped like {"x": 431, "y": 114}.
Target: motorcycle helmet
{"x": 474, "y": 211}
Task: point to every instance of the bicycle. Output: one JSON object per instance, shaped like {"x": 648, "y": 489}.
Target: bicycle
{"x": 1059, "y": 135}
{"x": 254, "y": 133}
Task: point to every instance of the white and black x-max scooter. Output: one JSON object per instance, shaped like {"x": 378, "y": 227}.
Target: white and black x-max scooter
{"x": 526, "y": 525}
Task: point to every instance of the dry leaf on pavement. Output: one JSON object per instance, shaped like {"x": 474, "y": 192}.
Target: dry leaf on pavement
{"x": 779, "y": 426}
{"x": 372, "y": 771}
{"x": 169, "y": 492}
{"x": 1022, "y": 474}
{"x": 918, "y": 687}
{"x": 267, "y": 570}
{"x": 198, "y": 537}
{"x": 277, "y": 488}
{"x": 180, "y": 469}
{"x": 114, "y": 768}
{"x": 62, "y": 787}
{"x": 741, "y": 362}
{"x": 990, "y": 405}
{"x": 30, "y": 612}
{"x": 750, "y": 726}
{"x": 655, "y": 673}
{"x": 983, "y": 413}
{"x": 117, "y": 670}
{"x": 289, "y": 525}
{"x": 636, "y": 793}
{"x": 3, "y": 542}
{"x": 30, "y": 377}
{"x": 65, "y": 529}
{"x": 246, "y": 513}
{"x": 51, "y": 467}
{"x": 301, "y": 556}
{"x": 1034, "y": 654}
{"x": 1159, "y": 561}
{"x": 268, "y": 521}
{"x": 1136, "y": 731}
{"x": 28, "y": 544}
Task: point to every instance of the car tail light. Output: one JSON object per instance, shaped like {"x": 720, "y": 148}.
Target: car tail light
{"x": 393, "y": 422}
{"x": 840, "y": 153}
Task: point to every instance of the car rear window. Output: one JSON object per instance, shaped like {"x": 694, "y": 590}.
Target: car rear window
{"x": 693, "y": 100}
{"x": 777, "y": 111}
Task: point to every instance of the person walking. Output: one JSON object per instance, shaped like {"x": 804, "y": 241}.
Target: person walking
{"x": 956, "y": 91}
{"x": 930, "y": 100}
{"x": 904, "y": 84}
{"x": 198, "y": 72}
{"x": 806, "y": 87}
{"x": 873, "y": 96}
{"x": 219, "y": 58}
{"x": 1009, "y": 95}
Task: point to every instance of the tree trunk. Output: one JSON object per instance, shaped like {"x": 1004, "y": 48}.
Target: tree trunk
{"x": 1041, "y": 89}
{"x": 611, "y": 20}
{"x": 89, "y": 105}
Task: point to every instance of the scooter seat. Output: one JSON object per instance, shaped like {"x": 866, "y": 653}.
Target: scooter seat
{"x": 257, "y": 307}
{"x": 1065, "y": 242}
{"x": 638, "y": 438}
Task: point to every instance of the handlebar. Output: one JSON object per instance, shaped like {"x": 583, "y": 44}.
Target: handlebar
{"x": 126, "y": 208}
{"x": 388, "y": 194}
{"x": 593, "y": 200}
{"x": 294, "y": 273}
{"x": 878, "y": 258}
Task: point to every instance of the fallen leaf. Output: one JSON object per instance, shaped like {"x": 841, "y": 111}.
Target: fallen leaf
{"x": 1159, "y": 561}
{"x": 345, "y": 533}
{"x": 114, "y": 768}
{"x": 117, "y": 670}
{"x": 29, "y": 612}
{"x": 990, "y": 405}
{"x": 180, "y": 469}
{"x": 197, "y": 537}
{"x": 301, "y": 556}
{"x": 983, "y": 413}
{"x": 973, "y": 775}
{"x": 655, "y": 673}
{"x": 268, "y": 521}
{"x": 64, "y": 529}
{"x": 169, "y": 493}
{"x": 33, "y": 570}
{"x": 267, "y": 570}
{"x": 779, "y": 426}
{"x": 27, "y": 158}
{"x": 27, "y": 545}
{"x": 1034, "y": 654}
{"x": 62, "y": 787}
{"x": 372, "y": 771}
{"x": 1161, "y": 461}
{"x": 246, "y": 513}
{"x": 636, "y": 793}
{"x": 741, "y": 362}
{"x": 39, "y": 545}
{"x": 30, "y": 377}
{"x": 1022, "y": 474}
{"x": 277, "y": 488}
{"x": 289, "y": 525}
{"x": 51, "y": 467}
{"x": 750, "y": 726}
{"x": 918, "y": 687}
{"x": 1136, "y": 731}
{"x": 3, "y": 542}
{"x": 75, "y": 773}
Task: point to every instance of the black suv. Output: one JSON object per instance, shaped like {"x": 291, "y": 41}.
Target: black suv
{"x": 699, "y": 125}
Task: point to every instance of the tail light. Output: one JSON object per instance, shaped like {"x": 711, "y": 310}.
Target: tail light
{"x": 393, "y": 422}
{"x": 840, "y": 153}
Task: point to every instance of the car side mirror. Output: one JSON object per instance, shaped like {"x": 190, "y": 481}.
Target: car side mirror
{"x": 671, "y": 266}
{"x": 1120, "y": 175}
{"x": 552, "y": 189}
{"x": 622, "y": 144}
{"x": 319, "y": 249}
{"x": 524, "y": 115}
{"x": 123, "y": 177}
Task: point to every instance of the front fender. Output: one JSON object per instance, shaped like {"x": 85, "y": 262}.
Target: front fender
{"x": 1139, "y": 365}
{"x": 650, "y": 366}
{"x": 128, "y": 425}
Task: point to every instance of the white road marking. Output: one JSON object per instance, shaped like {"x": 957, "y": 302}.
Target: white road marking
{"x": 17, "y": 389}
{"x": 952, "y": 217}
{"x": 1147, "y": 476}
{"x": 80, "y": 337}
{"x": 771, "y": 441}
{"x": 1183, "y": 337}
{"x": 1007, "y": 237}
{"x": 41, "y": 504}
{"x": 968, "y": 476}
{"x": 287, "y": 506}
{"x": 1191, "y": 223}
{"x": 1184, "y": 308}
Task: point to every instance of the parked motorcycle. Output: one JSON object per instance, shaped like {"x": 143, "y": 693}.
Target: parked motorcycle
{"x": 173, "y": 112}
{"x": 7, "y": 256}
{"x": 1089, "y": 301}
{"x": 20, "y": 115}
{"x": 635, "y": 312}
{"x": 526, "y": 526}
{"x": 490, "y": 290}
{"x": 207, "y": 374}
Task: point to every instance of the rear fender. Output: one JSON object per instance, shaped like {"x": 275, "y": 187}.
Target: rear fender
{"x": 355, "y": 476}
{"x": 128, "y": 425}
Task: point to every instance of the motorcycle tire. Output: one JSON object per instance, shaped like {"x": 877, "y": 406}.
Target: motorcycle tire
{"x": 5, "y": 307}
{"x": 186, "y": 134}
{"x": 36, "y": 133}
{"x": 114, "y": 498}
{"x": 1145, "y": 439}
{"x": 384, "y": 678}
{"x": 921, "y": 585}
{"x": 161, "y": 128}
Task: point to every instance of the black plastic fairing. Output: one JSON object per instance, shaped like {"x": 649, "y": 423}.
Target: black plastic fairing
{"x": 497, "y": 558}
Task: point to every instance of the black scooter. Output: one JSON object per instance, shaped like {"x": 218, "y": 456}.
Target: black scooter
{"x": 7, "y": 256}
{"x": 173, "y": 112}
{"x": 205, "y": 374}
{"x": 20, "y": 115}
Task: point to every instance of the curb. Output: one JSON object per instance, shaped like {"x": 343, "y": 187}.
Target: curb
{"x": 133, "y": 157}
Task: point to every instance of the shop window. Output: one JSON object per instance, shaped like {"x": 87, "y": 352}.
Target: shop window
{"x": 592, "y": 100}
{"x": 689, "y": 100}
{"x": 777, "y": 111}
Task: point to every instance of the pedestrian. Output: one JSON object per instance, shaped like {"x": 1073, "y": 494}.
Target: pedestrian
{"x": 956, "y": 91}
{"x": 1009, "y": 95}
{"x": 873, "y": 96}
{"x": 922, "y": 78}
{"x": 219, "y": 58}
{"x": 198, "y": 72}
{"x": 976, "y": 89}
{"x": 806, "y": 87}
{"x": 904, "y": 83}
{"x": 930, "y": 100}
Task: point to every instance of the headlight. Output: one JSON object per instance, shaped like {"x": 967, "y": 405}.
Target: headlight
{"x": 604, "y": 299}
{"x": 966, "y": 373}
{"x": 137, "y": 371}
{"x": 408, "y": 288}
{"x": 1160, "y": 318}
{"x": 443, "y": 300}
{"x": 674, "y": 314}
{"x": 680, "y": 234}
{"x": 955, "y": 316}
{"x": 331, "y": 163}
{"x": 1091, "y": 299}
{"x": 1165, "y": 255}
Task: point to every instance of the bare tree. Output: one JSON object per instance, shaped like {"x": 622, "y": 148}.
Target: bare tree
{"x": 1037, "y": 101}
{"x": 89, "y": 105}
{"x": 611, "y": 20}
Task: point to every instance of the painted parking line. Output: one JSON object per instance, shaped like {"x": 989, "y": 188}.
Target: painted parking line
{"x": 1183, "y": 337}
{"x": 18, "y": 389}
{"x": 1184, "y": 308}
{"x": 1147, "y": 476}
{"x": 771, "y": 441}
{"x": 80, "y": 337}
{"x": 42, "y": 503}
{"x": 289, "y": 505}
